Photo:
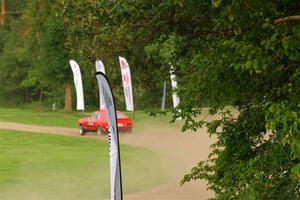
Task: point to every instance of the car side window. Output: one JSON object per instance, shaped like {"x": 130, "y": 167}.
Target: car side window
{"x": 95, "y": 115}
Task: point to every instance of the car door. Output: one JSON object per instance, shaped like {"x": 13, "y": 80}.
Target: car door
{"x": 92, "y": 124}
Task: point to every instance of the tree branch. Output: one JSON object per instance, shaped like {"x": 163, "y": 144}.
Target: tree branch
{"x": 286, "y": 19}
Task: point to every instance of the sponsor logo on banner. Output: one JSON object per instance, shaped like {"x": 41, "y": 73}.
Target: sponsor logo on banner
{"x": 123, "y": 62}
{"x": 107, "y": 100}
{"x": 127, "y": 85}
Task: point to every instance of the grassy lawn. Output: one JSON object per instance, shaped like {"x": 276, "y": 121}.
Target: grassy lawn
{"x": 62, "y": 119}
{"x": 41, "y": 166}
{"x": 39, "y": 118}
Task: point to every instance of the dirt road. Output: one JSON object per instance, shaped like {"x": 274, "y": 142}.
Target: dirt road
{"x": 179, "y": 153}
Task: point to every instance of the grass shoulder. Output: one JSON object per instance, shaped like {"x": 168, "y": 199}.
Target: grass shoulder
{"x": 42, "y": 166}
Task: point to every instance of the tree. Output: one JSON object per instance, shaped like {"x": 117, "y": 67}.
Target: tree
{"x": 45, "y": 44}
{"x": 257, "y": 152}
{"x": 225, "y": 53}
{"x": 13, "y": 64}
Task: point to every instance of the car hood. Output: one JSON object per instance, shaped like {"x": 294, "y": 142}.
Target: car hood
{"x": 83, "y": 119}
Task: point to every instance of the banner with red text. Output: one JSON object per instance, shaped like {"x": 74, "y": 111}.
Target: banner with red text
{"x": 127, "y": 86}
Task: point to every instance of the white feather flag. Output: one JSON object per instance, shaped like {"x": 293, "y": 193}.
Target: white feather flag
{"x": 176, "y": 99}
{"x": 100, "y": 68}
{"x": 114, "y": 149}
{"x": 78, "y": 84}
{"x": 127, "y": 86}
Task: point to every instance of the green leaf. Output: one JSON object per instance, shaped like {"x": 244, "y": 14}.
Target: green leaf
{"x": 216, "y": 3}
{"x": 285, "y": 43}
{"x": 248, "y": 64}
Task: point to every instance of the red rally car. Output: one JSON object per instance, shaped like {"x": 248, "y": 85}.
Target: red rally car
{"x": 98, "y": 122}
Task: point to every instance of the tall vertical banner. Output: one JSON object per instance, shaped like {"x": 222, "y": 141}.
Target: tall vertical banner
{"x": 100, "y": 68}
{"x": 163, "y": 99}
{"x": 78, "y": 84}
{"x": 114, "y": 147}
{"x": 174, "y": 86}
{"x": 127, "y": 86}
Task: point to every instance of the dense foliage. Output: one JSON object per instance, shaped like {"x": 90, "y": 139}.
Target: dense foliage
{"x": 242, "y": 53}
{"x": 38, "y": 43}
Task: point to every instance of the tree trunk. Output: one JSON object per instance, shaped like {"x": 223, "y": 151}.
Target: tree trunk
{"x": 41, "y": 95}
{"x": 68, "y": 97}
{"x": 3, "y": 12}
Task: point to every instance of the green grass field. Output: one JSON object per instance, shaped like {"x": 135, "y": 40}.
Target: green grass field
{"x": 39, "y": 118}
{"x": 41, "y": 166}
{"x": 61, "y": 119}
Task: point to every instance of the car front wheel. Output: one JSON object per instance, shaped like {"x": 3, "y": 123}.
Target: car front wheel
{"x": 82, "y": 130}
{"x": 99, "y": 130}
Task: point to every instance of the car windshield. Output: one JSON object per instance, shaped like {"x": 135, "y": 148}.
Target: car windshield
{"x": 121, "y": 116}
